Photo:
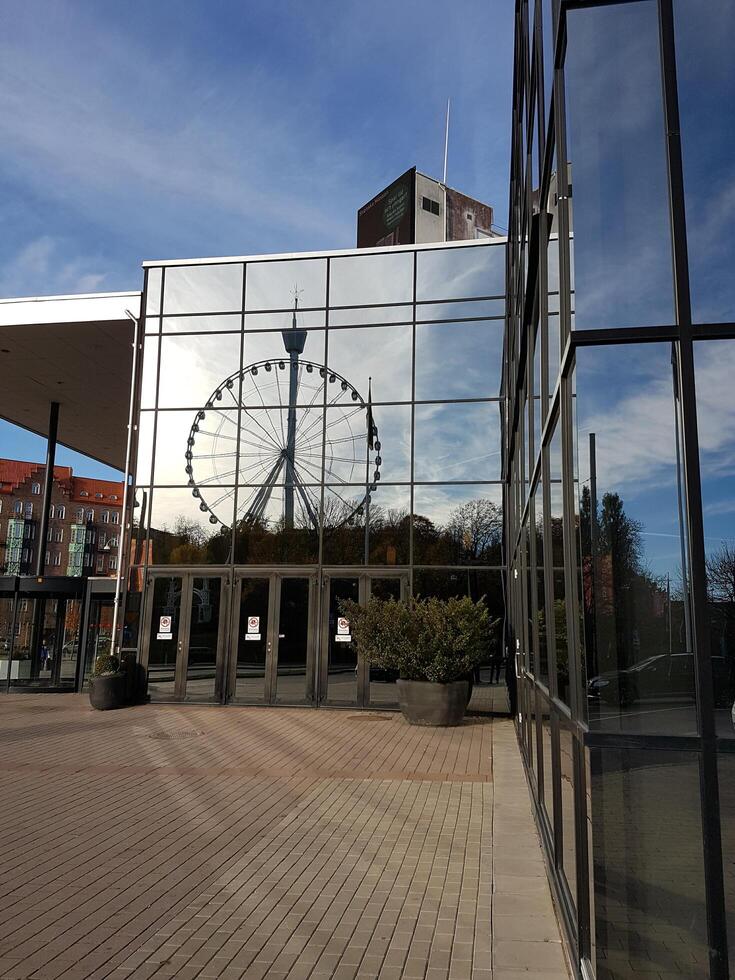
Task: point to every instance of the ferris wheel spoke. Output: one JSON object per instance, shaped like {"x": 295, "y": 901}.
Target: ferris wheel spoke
{"x": 268, "y": 414}
{"x": 312, "y": 471}
{"x": 204, "y": 456}
{"x": 264, "y": 446}
{"x": 216, "y": 478}
{"x": 265, "y": 432}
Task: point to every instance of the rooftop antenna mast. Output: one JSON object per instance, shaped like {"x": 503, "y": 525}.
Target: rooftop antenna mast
{"x": 446, "y": 143}
{"x": 444, "y": 177}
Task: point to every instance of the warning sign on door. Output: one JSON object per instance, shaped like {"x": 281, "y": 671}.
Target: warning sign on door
{"x": 253, "y": 632}
{"x": 343, "y": 630}
{"x": 164, "y": 628}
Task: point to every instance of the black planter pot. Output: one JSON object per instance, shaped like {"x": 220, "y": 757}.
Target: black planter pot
{"x": 434, "y": 705}
{"x": 109, "y": 691}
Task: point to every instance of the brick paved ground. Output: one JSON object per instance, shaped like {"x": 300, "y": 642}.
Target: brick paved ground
{"x": 183, "y": 841}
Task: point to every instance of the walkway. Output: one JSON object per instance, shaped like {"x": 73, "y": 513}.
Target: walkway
{"x": 183, "y": 841}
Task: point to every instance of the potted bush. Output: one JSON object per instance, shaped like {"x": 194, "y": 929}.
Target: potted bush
{"x": 433, "y": 645}
{"x": 108, "y": 684}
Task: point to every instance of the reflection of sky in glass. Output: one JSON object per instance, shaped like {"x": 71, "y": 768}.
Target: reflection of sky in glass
{"x": 458, "y": 441}
{"x": 622, "y": 251}
{"x": 271, "y": 285}
{"x": 625, "y": 396}
{"x": 715, "y": 370}
{"x": 437, "y": 503}
{"x": 460, "y": 273}
{"x": 203, "y": 288}
{"x": 706, "y": 84}
{"x": 381, "y": 353}
{"x": 459, "y": 360}
{"x": 361, "y": 279}
{"x": 193, "y": 366}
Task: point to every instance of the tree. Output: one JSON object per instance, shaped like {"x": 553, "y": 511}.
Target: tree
{"x": 478, "y": 526}
{"x": 721, "y": 574}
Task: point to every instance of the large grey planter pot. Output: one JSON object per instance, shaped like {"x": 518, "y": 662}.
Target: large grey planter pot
{"x": 108, "y": 691}
{"x": 433, "y": 705}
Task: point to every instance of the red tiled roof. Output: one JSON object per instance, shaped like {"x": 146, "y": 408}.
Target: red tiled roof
{"x": 14, "y": 472}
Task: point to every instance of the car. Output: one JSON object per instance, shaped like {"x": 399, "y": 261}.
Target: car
{"x": 668, "y": 676}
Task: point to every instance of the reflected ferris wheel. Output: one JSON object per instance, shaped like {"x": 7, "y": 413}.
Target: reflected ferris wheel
{"x": 283, "y": 443}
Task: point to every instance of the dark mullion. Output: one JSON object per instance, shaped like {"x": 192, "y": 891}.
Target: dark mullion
{"x": 708, "y": 770}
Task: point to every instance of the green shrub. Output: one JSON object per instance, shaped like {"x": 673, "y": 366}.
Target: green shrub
{"x": 438, "y": 640}
{"x": 105, "y": 664}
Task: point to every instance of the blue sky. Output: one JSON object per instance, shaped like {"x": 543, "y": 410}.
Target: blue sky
{"x": 172, "y": 129}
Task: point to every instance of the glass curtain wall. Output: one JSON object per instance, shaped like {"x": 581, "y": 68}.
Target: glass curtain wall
{"x": 329, "y": 410}
{"x": 619, "y": 477}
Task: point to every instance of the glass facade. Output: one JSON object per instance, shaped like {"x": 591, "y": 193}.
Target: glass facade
{"x": 617, "y": 459}
{"x": 309, "y": 429}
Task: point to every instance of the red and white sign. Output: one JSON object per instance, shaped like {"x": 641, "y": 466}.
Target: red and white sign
{"x": 343, "y": 626}
{"x": 253, "y": 624}
{"x": 164, "y": 624}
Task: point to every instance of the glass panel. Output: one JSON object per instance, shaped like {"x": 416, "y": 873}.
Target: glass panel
{"x": 714, "y": 364}
{"x": 622, "y": 240}
{"x": 305, "y": 319}
{"x": 649, "y": 900}
{"x": 457, "y": 310}
{"x": 342, "y": 662}
{"x": 144, "y": 456}
{"x": 383, "y": 681}
{"x": 272, "y": 438}
{"x": 206, "y": 362}
{"x": 542, "y": 661}
{"x": 639, "y": 662}
{"x": 569, "y": 853}
{"x": 345, "y": 515}
{"x": 153, "y": 291}
{"x": 203, "y": 288}
{"x": 726, "y": 764}
{"x": 263, "y": 534}
{"x": 459, "y": 360}
{"x": 546, "y": 743}
{"x": 349, "y": 459}
{"x": 359, "y": 316}
{"x": 252, "y": 639}
{"x": 293, "y": 641}
{"x": 457, "y": 525}
{"x": 268, "y": 386}
{"x": 6, "y": 635}
{"x": 149, "y": 375}
{"x": 475, "y": 582}
{"x": 381, "y": 353}
{"x": 457, "y": 441}
{"x": 99, "y": 632}
{"x": 196, "y": 446}
{"x": 460, "y": 273}
{"x": 131, "y": 625}
{"x": 181, "y": 531}
{"x": 72, "y": 613}
{"x": 201, "y": 324}
{"x": 706, "y": 87}
{"x": 556, "y": 550}
{"x": 357, "y": 280}
{"x": 201, "y": 667}
{"x": 164, "y": 644}
{"x": 275, "y": 285}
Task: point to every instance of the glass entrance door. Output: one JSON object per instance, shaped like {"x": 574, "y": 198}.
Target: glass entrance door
{"x": 186, "y": 629}
{"x": 272, "y": 639}
{"x": 344, "y": 678}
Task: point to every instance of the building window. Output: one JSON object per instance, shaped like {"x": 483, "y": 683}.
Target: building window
{"x": 113, "y": 563}
{"x": 28, "y": 509}
{"x": 83, "y": 493}
{"x": 59, "y": 534}
{"x": 431, "y": 206}
{"x": 98, "y": 496}
{"x": 48, "y": 557}
{"x": 57, "y": 559}
{"x": 90, "y": 515}
{"x": 61, "y": 512}
{"x": 80, "y": 515}
{"x": 36, "y": 488}
{"x": 50, "y": 535}
{"x": 18, "y": 507}
{"x": 100, "y": 563}
{"x": 105, "y": 517}
{"x": 115, "y": 517}
{"x": 113, "y": 541}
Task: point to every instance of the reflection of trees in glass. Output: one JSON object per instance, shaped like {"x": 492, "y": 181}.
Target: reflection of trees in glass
{"x": 472, "y": 534}
{"x": 629, "y": 613}
{"x": 721, "y": 595}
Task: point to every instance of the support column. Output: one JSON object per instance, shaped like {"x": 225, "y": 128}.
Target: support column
{"x": 48, "y": 483}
